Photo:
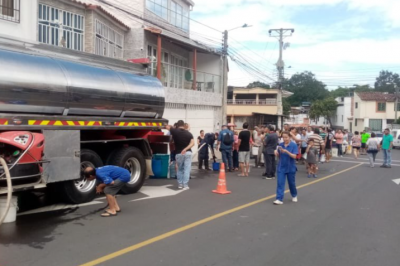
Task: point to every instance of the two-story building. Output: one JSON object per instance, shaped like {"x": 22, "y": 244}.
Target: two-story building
{"x": 373, "y": 111}
{"x": 257, "y": 106}
{"x": 152, "y": 33}
{"x": 344, "y": 113}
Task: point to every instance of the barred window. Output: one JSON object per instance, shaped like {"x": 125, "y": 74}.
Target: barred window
{"x": 108, "y": 41}
{"x": 60, "y": 28}
{"x": 10, "y": 10}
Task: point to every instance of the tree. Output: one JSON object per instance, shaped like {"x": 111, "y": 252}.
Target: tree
{"x": 348, "y": 91}
{"x": 258, "y": 84}
{"x": 305, "y": 88}
{"x": 286, "y": 106}
{"x": 384, "y": 78}
{"x": 326, "y": 108}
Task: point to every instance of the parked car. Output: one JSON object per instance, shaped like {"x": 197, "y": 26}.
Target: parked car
{"x": 396, "y": 138}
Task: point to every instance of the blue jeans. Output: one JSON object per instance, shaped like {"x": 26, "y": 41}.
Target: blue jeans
{"x": 280, "y": 189}
{"x": 227, "y": 158}
{"x": 235, "y": 159}
{"x": 184, "y": 163}
{"x": 387, "y": 157}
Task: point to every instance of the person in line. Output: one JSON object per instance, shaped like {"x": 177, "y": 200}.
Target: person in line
{"x": 287, "y": 153}
{"x": 184, "y": 142}
{"x": 387, "y": 146}
{"x": 260, "y": 155}
{"x": 322, "y": 133}
{"x": 270, "y": 144}
{"x": 349, "y": 137}
{"x": 364, "y": 138}
{"x": 286, "y": 128}
{"x": 201, "y": 154}
{"x": 304, "y": 140}
{"x": 113, "y": 179}
{"x": 345, "y": 141}
{"x": 312, "y": 155}
{"x": 309, "y": 131}
{"x": 206, "y": 143}
{"x": 318, "y": 143}
{"x": 257, "y": 143}
{"x": 339, "y": 142}
{"x": 244, "y": 150}
{"x": 328, "y": 145}
{"x": 356, "y": 143}
{"x": 235, "y": 152}
{"x": 372, "y": 149}
{"x": 225, "y": 141}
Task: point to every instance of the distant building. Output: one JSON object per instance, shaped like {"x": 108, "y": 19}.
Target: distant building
{"x": 344, "y": 113}
{"x": 257, "y": 106}
{"x": 373, "y": 110}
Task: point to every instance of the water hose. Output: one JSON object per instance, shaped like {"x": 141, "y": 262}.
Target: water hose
{"x": 9, "y": 188}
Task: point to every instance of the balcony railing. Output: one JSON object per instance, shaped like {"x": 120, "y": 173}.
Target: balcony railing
{"x": 253, "y": 102}
{"x": 179, "y": 77}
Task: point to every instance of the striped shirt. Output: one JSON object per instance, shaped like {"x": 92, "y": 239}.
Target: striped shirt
{"x": 318, "y": 141}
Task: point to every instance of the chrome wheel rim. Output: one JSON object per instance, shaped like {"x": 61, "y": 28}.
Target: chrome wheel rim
{"x": 82, "y": 184}
{"x": 133, "y": 166}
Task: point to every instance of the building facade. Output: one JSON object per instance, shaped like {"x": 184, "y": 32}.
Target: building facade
{"x": 373, "y": 111}
{"x": 257, "y": 106}
{"x": 152, "y": 33}
{"x": 344, "y": 113}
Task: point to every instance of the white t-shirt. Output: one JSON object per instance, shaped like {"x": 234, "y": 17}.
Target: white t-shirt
{"x": 309, "y": 133}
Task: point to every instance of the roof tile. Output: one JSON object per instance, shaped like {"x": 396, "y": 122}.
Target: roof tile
{"x": 376, "y": 96}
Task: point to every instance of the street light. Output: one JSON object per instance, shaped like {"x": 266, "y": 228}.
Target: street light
{"x": 225, "y": 70}
{"x": 396, "y": 103}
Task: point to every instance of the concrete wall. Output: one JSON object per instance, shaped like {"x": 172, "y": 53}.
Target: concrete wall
{"x": 234, "y": 109}
{"x": 26, "y": 28}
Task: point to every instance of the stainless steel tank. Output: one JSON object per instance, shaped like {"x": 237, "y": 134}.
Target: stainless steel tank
{"x": 31, "y": 83}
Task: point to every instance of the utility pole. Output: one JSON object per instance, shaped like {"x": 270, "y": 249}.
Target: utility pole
{"x": 225, "y": 79}
{"x": 280, "y": 65}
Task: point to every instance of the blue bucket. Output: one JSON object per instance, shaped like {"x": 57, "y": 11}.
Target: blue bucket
{"x": 216, "y": 166}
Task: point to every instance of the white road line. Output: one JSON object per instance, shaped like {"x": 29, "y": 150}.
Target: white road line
{"x": 365, "y": 159}
{"x": 357, "y": 162}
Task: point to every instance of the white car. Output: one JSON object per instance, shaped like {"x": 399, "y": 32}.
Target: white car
{"x": 379, "y": 136}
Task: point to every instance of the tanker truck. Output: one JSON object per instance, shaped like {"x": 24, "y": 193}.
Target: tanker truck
{"x": 62, "y": 110}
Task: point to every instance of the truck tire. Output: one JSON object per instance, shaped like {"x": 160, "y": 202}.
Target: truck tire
{"x": 82, "y": 190}
{"x": 132, "y": 159}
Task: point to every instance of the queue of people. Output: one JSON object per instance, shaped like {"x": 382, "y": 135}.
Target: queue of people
{"x": 291, "y": 146}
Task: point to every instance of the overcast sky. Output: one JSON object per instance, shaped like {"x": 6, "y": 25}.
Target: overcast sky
{"x": 344, "y": 42}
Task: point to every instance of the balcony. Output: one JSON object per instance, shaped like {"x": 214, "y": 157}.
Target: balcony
{"x": 269, "y": 102}
{"x": 246, "y": 107}
{"x": 180, "y": 77}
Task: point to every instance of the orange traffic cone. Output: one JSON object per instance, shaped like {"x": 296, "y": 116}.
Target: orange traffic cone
{"x": 221, "y": 187}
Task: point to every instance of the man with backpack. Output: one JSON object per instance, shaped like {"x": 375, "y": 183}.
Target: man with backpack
{"x": 225, "y": 141}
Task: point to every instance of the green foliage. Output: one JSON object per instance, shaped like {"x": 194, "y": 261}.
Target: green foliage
{"x": 305, "y": 88}
{"x": 286, "y": 106}
{"x": 347, "y": 91}
{"x": 384, "y": 78}
{"x": 258, "y": 84}
{"x": 325, "y": 108}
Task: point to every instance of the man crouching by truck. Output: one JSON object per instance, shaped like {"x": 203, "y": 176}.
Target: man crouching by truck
{"x": 113, "y": 178}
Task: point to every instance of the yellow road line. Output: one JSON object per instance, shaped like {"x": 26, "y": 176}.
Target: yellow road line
{"x": 200, "y": 222}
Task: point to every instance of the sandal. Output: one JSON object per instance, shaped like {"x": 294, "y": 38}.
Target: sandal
{"x": 107, "y": 214}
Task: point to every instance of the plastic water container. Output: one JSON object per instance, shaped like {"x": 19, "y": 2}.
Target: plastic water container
{"x": 216, "y": 166}
{"x": 160, "y": 165}
{"x": 12, "y": 212}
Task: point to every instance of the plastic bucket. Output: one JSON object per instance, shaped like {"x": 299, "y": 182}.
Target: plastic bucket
{"x": 12, "y": 212}
{"x": 216, "y": 166}
{"x": 334, "y": 152}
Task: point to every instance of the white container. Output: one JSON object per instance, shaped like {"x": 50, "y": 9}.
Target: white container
{"x": 254, "y": 150}
{"x": 334, "y": 152}
{"x": 12, "y": 212}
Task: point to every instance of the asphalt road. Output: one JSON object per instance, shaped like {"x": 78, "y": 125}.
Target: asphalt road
{"x": 347, "y": 216}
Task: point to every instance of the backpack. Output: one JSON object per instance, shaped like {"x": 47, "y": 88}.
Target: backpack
{"x": 227, "y": 140}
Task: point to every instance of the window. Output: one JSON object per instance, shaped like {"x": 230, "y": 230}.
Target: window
{"x": 158, "y": 7}
{"x": 398, "y": 106}
{"x": 60, "y": 28}
{"x": 179, "y": 17}
{"x": 375, "y": 124}
{"x": 356, "y": 105}
{"x": 381, "y": 107}
{"x": 10, "y": 10}
{"x": 355, "y": 122}
{"x": 108, "y": 41}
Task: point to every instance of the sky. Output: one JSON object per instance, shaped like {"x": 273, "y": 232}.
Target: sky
{"x": 343, "y": 42}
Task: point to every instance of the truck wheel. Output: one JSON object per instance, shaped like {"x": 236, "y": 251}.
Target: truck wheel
{"x": 83, "y": 190}
{"x": 132, "y": 159}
